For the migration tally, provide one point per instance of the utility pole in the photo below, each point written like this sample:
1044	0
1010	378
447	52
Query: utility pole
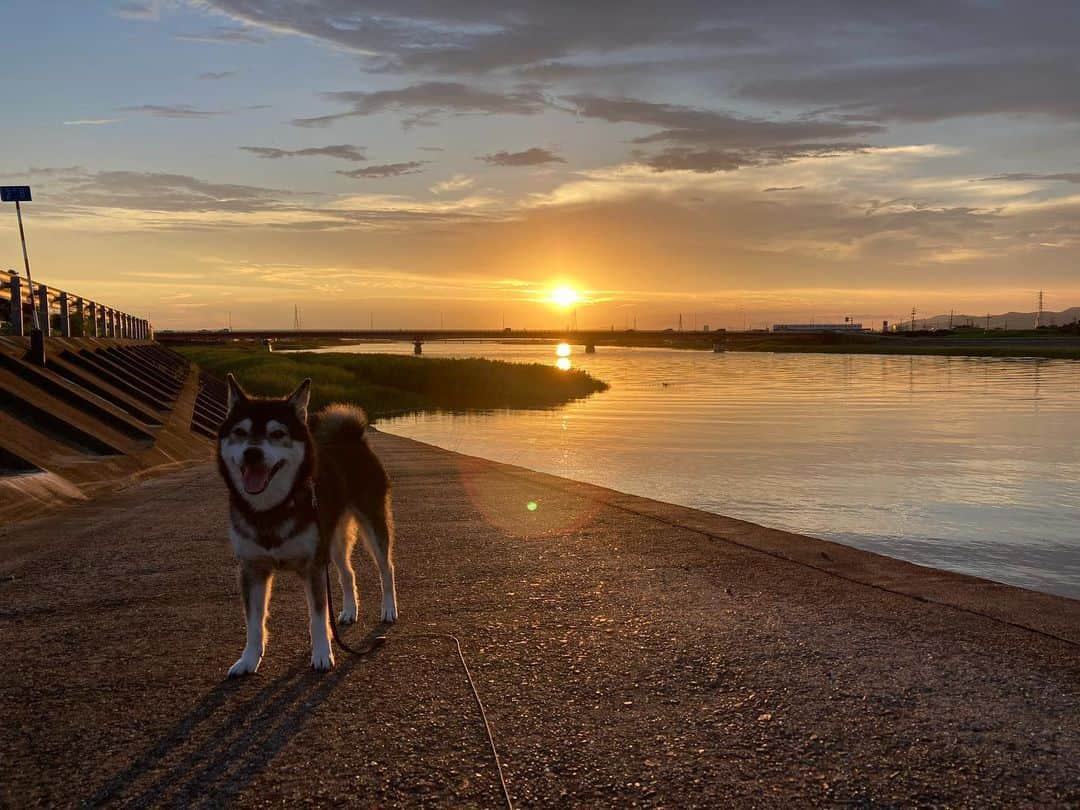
913	319
951	313
1039	311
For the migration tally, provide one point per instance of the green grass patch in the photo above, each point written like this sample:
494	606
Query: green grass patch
391	385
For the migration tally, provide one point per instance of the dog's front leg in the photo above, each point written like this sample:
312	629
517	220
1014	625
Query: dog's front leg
322	657
255	585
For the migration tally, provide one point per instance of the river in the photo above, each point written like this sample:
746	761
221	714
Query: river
966	464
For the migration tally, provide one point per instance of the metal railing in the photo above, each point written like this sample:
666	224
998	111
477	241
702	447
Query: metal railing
92	318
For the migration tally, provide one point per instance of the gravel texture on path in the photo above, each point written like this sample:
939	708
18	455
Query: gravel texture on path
628	653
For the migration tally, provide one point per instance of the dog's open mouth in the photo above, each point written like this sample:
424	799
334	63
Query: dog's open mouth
257	476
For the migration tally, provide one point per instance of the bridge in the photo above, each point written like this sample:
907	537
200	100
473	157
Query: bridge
418	337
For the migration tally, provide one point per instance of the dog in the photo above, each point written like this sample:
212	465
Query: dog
300	491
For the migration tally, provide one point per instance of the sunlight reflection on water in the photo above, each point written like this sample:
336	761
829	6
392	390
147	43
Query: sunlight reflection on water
969	464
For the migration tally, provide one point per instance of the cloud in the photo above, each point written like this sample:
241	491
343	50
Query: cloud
90	122
384	170
341	151
933	92
172	111
160	191
459	182
475	36
782	188
225	35
213	77
530	157
428	99
142	10
696	125
1067	177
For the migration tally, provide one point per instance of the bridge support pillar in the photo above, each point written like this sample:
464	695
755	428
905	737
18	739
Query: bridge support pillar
418	347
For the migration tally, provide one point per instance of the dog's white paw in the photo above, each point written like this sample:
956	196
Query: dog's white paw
347	615
322	660
245	666
389	610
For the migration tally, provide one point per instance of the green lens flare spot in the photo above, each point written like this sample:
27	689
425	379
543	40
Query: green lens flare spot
532	506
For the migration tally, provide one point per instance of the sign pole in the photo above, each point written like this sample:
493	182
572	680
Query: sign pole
26	263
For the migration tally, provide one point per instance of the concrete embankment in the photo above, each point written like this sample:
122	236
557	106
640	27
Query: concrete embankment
629	653
100	414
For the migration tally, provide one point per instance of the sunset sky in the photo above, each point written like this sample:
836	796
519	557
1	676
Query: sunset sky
400	161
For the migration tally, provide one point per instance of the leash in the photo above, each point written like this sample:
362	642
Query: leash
378	641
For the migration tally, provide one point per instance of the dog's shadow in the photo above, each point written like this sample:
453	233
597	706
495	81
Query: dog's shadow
212	765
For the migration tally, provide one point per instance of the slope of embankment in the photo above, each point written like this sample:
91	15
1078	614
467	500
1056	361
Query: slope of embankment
100	414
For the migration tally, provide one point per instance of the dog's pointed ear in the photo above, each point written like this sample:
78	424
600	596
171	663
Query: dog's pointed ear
300	398
236	393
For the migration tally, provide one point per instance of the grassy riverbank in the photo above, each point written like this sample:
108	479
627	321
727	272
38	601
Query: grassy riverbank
388	385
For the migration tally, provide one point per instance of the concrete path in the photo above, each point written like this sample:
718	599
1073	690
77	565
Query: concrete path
629	653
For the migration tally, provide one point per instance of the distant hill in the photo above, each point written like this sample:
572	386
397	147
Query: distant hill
1012	320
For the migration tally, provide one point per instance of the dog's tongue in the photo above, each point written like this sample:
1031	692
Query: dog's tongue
256	477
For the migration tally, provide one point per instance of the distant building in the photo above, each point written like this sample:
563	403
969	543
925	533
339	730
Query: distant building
818	327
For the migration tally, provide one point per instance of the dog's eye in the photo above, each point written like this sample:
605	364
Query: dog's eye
240	433
277	435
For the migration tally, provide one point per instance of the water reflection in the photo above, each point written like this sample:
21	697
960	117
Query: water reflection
971	464
563	363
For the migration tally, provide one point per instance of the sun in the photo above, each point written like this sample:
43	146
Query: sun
565	296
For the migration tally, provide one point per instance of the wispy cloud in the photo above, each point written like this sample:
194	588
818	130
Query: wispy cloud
428	99
529	157
384	170
90	122
142	10
341	151
1067	177
225	35
186	110
459	182
172	111
213	77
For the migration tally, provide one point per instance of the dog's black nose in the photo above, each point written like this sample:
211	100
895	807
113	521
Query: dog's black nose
253	456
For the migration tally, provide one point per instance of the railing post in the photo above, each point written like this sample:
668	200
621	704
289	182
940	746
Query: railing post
43	310
127	327
142	329
123	326
112	322
16	305
80	310
65	315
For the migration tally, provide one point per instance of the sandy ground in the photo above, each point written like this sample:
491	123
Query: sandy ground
629	653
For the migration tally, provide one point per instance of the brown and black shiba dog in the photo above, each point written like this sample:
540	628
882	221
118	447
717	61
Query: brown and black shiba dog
299	493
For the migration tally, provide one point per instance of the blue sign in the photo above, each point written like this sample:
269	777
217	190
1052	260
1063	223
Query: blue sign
14	193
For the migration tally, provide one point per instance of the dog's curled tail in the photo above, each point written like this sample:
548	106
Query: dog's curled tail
340	424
